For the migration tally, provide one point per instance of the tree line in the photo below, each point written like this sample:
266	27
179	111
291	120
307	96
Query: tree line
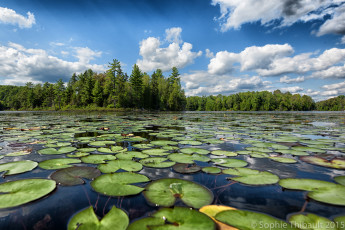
111	89
115	89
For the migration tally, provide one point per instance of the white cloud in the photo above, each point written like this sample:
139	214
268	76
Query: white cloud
9	16
56	44
342	40
209	54
173	34
334	25
332	72
293	89
19	65
250	58
85	54
289	80
337	86
235	13
154	56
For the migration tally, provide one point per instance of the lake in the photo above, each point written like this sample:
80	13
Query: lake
284	144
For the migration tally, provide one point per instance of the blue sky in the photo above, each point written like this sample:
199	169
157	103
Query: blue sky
219	46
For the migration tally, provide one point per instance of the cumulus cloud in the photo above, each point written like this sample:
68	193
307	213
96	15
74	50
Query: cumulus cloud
209	54
154	56
19	65
332	72
337	86
85	54
173	34
235	13
334	25
250	58
9	16
289	80
293	89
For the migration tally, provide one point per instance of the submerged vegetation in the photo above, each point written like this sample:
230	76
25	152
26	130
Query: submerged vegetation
115	89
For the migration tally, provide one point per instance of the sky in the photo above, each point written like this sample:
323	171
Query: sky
219	46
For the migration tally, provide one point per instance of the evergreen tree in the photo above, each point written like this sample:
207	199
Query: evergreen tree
136	81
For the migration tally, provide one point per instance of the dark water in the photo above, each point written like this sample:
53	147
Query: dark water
55	210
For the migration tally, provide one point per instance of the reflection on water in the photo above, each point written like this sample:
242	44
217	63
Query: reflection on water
236	129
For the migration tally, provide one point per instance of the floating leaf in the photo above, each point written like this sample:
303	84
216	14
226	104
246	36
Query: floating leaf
283	160
293	152
157	162
248	220
340	180
115	219
311	221
53	151
17	167
97	158
73	175
164	192
156	152
130	155
213	210
211	170
259	155
337	163
190	142
119	184
19	153
163	143
58	163
230	163
186	168
101	143
187	158
175	218
224	153
87	150
78	154
195	150
114	165
251	176
15	193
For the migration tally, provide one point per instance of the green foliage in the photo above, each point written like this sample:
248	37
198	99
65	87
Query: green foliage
333	104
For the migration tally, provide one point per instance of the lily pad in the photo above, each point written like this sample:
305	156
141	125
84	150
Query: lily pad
230	163
78	154
130	155
53	151
190	142
211	170
337	163
58	163
114	165
187	158
164	192
223	153
115	219
17	167
213	210
87	150
311	221
119	184
248	220
283	160
186	168
195	150
175	218
156	152
15	193
340	180
97	158
18	153
73	175
252	177
101	143
163	143
157	162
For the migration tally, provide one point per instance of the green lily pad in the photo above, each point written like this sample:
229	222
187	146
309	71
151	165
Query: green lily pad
223	153
143	146
340	222
58	144
259	155
97	158
119	184
337	163
15	193
19	153
175	218
157	162
58	163
230	163
311	221
190	142
73	175
101	143
53	151
211	170
308	149
78	154
257	149
251	176
163	143
335	196
17	167
114	165
340	180
248	220
195	150
130	155
305	184
164	192
187	158
87	150
283	160
115	219
186	168
293	152
156	152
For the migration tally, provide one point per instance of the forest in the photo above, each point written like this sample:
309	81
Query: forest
114	89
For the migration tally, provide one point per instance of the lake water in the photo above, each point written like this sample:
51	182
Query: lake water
229	131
